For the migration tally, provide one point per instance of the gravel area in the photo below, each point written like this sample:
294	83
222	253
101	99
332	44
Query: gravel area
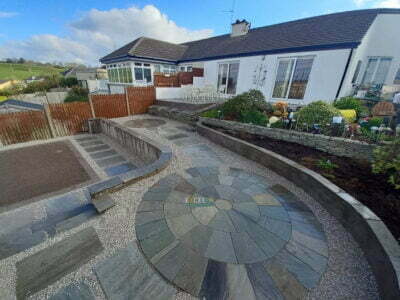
348	275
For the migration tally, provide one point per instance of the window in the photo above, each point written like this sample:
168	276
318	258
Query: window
120	73
168	69
157	68
376	71
138	73
142	72
397	77
356	72
292	77
227	77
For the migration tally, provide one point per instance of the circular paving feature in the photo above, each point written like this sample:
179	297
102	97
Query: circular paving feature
144	123
225	232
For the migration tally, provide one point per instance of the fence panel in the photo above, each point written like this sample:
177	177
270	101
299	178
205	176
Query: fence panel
69	118
109	106
22	127
161	80
140	98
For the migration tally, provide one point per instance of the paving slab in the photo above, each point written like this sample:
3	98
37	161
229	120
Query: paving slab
79	291
103	154
105	162
45	267
103	202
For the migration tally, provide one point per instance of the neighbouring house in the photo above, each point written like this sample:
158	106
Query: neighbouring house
300	61
93	79
34	79
5	84
13	105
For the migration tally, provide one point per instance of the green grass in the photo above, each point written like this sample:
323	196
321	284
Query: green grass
2	98
23	71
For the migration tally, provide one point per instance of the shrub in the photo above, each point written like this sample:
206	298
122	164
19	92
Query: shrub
254	117
349	103
318	112
68	82
373	122
77	94
212	113
387	161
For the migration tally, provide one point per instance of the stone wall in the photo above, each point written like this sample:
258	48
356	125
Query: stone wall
333	145
378	244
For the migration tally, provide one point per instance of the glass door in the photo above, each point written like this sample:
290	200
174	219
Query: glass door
227	77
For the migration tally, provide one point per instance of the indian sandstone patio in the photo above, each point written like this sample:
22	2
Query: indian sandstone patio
212	223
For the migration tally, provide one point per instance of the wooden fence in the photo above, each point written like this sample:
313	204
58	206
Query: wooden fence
65	119
176	80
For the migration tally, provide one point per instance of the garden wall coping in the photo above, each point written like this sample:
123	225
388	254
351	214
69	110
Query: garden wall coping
156	156
378	244
333	145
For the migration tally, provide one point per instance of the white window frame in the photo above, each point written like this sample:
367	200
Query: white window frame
295	58
142	66
227	74
379	58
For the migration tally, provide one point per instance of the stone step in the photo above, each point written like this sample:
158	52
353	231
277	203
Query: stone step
38	271
75	291
103	202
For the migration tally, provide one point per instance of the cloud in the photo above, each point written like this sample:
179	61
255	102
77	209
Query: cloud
98	32
7	14
388	4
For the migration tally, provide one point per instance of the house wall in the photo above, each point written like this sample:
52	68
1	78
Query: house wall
382	39
326	74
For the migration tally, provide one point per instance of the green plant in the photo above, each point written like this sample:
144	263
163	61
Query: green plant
373	122
212	113
318	112
278	124
326	164
77	94
349	103
387	161
254	117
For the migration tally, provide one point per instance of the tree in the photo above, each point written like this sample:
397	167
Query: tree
21	60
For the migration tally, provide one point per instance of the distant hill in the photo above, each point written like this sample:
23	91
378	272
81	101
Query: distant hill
23	71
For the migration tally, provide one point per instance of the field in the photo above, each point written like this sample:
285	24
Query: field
23	71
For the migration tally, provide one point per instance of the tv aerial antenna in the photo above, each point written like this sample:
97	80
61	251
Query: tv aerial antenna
232	10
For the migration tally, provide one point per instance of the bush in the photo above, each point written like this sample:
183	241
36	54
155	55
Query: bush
77	94
68	82
212	113
252	100
254	117
387	161
349	103
316	113
373	122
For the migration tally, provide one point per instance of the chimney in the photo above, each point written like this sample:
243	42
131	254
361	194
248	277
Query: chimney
240	28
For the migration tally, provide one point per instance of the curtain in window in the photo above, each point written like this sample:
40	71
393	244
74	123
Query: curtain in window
381	72
232	78
356	72
369	72
222	77
300	78
283	78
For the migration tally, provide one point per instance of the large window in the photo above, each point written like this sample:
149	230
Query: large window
356	72
227	77
376	70
142	72
120	73
292	77
397	77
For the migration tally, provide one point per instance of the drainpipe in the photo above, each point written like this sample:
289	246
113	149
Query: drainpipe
344	73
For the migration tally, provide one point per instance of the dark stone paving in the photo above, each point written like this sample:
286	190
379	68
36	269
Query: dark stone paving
74	291
127	275
45	267
144	123
105	157
231	236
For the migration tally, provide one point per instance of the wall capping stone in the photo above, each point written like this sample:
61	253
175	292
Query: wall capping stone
156	156
333	145
378	244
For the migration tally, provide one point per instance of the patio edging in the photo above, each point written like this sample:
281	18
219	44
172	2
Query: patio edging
378	244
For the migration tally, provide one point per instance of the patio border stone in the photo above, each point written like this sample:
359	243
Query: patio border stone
378	244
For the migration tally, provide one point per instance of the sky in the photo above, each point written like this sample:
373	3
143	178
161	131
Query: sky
82	31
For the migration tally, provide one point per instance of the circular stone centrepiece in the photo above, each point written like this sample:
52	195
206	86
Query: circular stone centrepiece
210	232
144	123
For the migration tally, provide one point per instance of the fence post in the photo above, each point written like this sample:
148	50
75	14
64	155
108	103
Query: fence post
49	120
91	106
127	101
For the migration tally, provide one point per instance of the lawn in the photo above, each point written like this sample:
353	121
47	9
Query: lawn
2	98
23	71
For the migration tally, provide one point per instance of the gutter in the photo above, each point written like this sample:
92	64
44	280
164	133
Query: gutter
344	73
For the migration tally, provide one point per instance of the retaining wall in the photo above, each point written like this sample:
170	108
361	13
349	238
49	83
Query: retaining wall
380	247
333	145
